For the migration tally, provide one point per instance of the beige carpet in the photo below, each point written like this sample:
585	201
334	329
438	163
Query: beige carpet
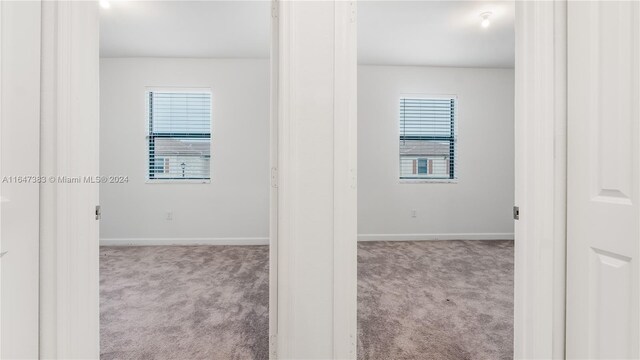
416	300
444	300
184	302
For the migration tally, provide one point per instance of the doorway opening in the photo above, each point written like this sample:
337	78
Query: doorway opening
184	151
436	179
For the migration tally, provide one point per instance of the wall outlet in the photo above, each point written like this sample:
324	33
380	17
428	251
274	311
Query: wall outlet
169	215
414	213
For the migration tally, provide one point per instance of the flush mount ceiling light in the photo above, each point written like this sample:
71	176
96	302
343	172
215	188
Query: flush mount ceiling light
485	19
105	4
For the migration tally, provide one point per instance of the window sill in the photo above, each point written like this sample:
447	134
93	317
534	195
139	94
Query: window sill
186	181
428	181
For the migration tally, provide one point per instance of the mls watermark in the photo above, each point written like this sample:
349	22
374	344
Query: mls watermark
111	179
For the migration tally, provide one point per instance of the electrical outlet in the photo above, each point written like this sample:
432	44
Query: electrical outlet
169	215
414	213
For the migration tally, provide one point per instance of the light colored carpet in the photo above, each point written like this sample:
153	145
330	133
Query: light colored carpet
184	302
444	300
416	300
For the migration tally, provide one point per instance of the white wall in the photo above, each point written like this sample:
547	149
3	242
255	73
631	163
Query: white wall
480	204
234	206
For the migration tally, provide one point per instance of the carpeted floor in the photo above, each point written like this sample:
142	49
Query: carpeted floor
416	300
184	302
435	300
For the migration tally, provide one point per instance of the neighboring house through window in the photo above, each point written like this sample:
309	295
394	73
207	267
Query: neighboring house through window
428	138
179	135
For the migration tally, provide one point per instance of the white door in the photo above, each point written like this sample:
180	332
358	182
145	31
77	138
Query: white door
19	161
603	184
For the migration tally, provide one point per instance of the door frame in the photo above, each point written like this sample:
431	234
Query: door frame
69	122
273	183
540	150
541	179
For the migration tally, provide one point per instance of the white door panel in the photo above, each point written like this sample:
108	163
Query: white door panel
19	158
603	184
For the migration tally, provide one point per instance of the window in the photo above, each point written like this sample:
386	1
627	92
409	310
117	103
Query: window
179	135
422	166
428	138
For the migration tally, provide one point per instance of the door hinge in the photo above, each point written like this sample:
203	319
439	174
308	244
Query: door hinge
516	213
352	11
274	177
98	212
274	9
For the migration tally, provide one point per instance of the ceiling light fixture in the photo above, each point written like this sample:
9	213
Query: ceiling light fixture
105	4
485	19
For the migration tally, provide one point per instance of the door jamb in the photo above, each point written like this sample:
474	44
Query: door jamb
540	167
69	121
273	186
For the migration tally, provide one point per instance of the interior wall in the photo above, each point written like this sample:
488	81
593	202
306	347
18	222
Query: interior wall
234	207
479	205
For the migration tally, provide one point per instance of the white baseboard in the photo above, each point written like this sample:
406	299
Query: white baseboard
265	241
184	241
431	237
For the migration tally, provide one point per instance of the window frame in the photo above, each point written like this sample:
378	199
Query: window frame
147	136
455	153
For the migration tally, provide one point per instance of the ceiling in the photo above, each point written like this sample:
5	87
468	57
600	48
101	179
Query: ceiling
195	29
435	33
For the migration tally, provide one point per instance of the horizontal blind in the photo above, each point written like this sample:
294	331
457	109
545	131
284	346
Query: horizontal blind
428	138
179	135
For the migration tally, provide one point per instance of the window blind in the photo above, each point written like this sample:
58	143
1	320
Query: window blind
428	138
179	136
